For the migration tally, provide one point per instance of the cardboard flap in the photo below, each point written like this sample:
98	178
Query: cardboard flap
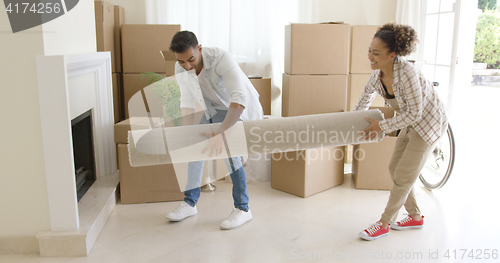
168	55
336	22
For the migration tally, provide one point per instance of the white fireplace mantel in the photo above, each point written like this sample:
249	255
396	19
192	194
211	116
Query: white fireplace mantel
58	101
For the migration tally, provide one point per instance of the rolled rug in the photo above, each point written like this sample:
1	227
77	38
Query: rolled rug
184	143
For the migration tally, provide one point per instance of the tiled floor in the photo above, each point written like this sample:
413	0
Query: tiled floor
324	227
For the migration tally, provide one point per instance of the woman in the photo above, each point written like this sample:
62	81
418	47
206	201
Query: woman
421	118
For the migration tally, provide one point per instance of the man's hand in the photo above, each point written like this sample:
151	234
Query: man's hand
372	131
216	143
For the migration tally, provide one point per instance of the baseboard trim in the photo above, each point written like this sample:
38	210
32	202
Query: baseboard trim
19	245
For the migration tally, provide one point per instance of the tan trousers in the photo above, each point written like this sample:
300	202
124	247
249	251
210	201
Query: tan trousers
409	157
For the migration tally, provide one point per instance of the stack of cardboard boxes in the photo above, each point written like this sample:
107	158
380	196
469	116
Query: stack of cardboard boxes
155	183
136	49
369	161
141	52
360	71
142	47
143	184
108	20
315	81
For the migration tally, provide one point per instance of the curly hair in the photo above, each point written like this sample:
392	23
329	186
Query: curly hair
400	39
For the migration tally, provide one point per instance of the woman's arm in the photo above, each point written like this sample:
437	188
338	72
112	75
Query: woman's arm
369	93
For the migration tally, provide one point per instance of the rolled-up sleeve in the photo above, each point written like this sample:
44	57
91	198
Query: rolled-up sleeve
234	79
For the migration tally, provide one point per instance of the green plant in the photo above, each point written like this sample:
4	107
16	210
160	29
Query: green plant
487	4
170	96
487	46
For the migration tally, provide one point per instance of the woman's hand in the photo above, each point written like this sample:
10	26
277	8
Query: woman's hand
372	131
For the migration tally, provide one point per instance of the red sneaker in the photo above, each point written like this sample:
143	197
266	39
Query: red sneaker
373	232
408	223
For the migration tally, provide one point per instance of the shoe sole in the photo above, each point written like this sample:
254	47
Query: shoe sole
395	227
229	228
369	238
180	219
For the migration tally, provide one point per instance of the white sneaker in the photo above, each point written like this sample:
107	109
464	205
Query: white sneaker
235	219
184	210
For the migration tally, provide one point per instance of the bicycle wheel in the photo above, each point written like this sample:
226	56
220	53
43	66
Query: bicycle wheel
438	168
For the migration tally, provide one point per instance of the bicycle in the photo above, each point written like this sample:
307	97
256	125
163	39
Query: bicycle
438	168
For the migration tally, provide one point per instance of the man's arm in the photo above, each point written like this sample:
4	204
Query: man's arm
232	116
216	143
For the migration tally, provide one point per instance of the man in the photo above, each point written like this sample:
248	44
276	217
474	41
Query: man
212	78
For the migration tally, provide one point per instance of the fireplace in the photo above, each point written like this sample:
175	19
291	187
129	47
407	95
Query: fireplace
75	91
83	153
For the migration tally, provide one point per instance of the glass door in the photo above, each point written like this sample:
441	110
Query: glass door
438	45
448	44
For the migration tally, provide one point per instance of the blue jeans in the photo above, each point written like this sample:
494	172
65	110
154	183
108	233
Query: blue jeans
234	166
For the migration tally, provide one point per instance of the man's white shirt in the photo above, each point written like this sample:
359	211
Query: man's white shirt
225	84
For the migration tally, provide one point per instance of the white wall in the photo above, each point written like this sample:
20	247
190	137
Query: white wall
357	12
135	10
354	12
72	33
23	191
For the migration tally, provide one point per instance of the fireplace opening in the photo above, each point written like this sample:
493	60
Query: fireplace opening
83	152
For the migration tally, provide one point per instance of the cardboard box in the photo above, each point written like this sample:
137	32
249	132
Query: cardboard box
304	173
170	60
357	84
317	48
263	87
387	112
117	101
313	94
133	86
119	21
360	42
370	164
156	183
140	123
105	28
141	46
135	123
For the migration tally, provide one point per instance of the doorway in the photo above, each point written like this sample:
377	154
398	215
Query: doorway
447	45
